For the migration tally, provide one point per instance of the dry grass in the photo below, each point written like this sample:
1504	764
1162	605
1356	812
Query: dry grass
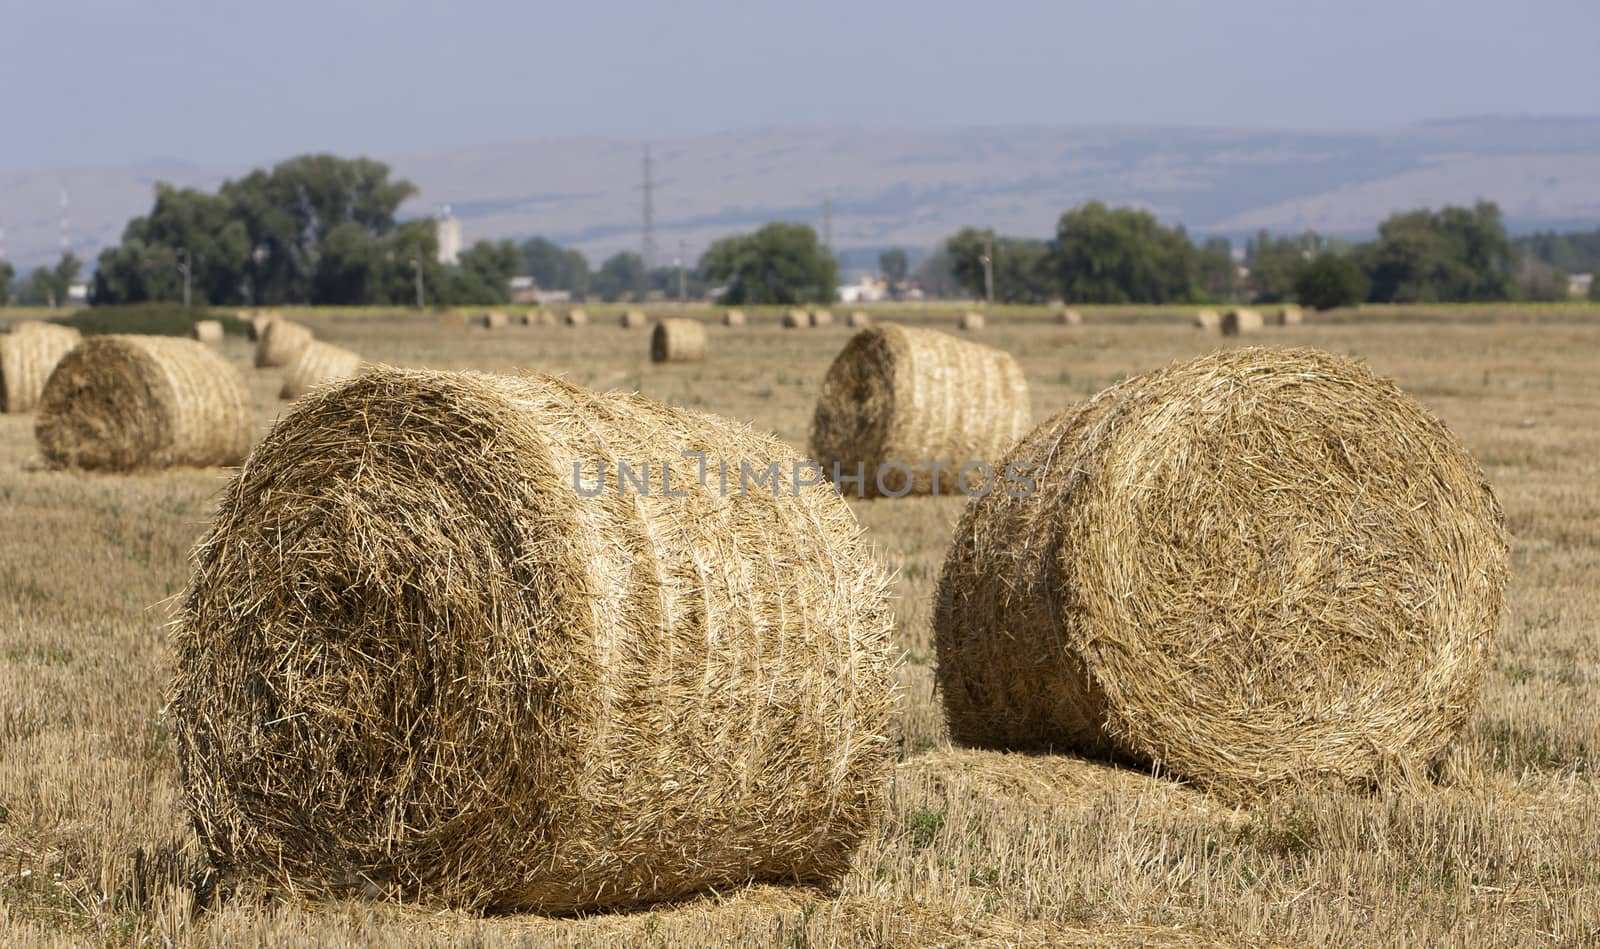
1259	566
978	848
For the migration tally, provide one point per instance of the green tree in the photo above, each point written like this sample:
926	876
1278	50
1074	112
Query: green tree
1454	254
49	286
935	276
894	265
782	263
483	273
1539	282
7	274
1217	271
619	277
1275	264
412	246
1023	270
1123	255
1331	280
554	267
1594	288
136	272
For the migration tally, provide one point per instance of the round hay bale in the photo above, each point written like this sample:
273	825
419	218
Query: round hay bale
208	332
1239	321
971	322
491	320
821	318
858	320
28	354
281	341
733	318
1066	317
454	320
418	658
1288	315
1256	567
577	316
796	319
121	403
899	401
1209	321
678	340
536	318
319	363
256	324
632	319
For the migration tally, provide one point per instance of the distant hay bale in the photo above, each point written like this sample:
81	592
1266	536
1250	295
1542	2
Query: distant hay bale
632	319
1066	317
256	324
577	316
1209	321
208	331
821	318
858	320
678	340
454	320
971	322
1239	321
281	341
319	363
536	318
28	354
899	400
1288	315
419	659
122	403
796	319
1256	567
733	318
491	320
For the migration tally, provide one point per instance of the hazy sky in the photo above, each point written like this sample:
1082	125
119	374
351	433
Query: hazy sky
88	82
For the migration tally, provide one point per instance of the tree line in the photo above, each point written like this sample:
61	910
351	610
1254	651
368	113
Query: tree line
324	230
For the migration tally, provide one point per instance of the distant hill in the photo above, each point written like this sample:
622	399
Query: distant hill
911	188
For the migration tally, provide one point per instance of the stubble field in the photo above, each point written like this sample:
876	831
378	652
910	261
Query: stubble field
1502	847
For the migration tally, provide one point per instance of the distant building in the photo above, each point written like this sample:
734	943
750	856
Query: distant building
866	290
447	228
79	293
1578	285
524	290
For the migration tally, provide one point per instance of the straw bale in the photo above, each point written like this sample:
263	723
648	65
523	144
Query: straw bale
971	322
1253	568
632	319
1288	315
256	324
417	661
821	318
208	331
27	355
1239	321
796	319
1209	321
281	341
121	403
678	340
858	320
577	316
733	318
1067	317
491	320
916	397
318	364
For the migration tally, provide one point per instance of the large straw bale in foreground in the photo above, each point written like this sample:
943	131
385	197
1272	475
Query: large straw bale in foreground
318	364
1256	567
416	661
1239	321
27	355
678	340
281	341
121	403
911	396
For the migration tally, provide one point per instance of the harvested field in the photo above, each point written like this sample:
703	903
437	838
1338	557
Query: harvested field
1499	845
